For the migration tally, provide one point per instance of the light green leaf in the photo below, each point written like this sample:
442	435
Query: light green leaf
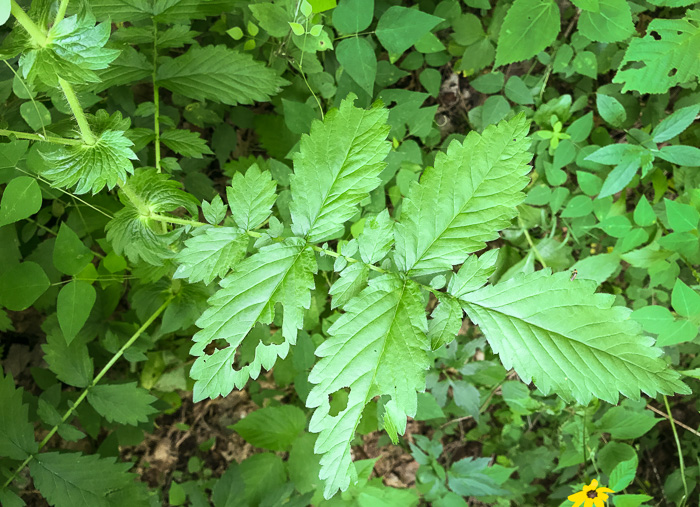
16	432
681	155
681	217
568	339
578	206
529	27
272	428
356	55
337	166
675	124
215	211
445	322
517	91
623	423
166	12
280	273
21	199
473	274
35	114
685	300
659	60
644	214
621	175
597	267
442	222
211	252
351	282
377	238
73	306
76	480
272	18
353	16
611	22
251	197
70	255
610	109
21	285
219	74
185	142
122	403
377	347
72	363
623	474
4	11
399	28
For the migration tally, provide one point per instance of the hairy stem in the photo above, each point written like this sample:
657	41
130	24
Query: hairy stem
61	12
97	378
37	34
140	204
39	137
85	132
156	95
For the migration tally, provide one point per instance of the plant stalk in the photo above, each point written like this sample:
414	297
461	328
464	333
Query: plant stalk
37	34
39	137
156	96
80	117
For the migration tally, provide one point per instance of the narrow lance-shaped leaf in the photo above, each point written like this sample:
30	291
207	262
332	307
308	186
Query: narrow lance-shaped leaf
464	200
568	339
337	166
281	273
378	347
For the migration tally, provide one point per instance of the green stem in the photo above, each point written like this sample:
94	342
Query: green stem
532	245
61	12
174	220
97	378
140	204
678	446
37	34
85	132
156	95
39	137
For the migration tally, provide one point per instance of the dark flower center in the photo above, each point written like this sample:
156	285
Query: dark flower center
592	494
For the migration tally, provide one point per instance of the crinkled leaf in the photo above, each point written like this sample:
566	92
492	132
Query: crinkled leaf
251	197
165	12
16	432
280	273
122	403
377	347
219	74
210	253
442	222
129	68
338	164
568	339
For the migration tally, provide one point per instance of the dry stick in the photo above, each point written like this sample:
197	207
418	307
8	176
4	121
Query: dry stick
684	426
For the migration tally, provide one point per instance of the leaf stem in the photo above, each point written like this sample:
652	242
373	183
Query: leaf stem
678	446
37	34
174	220
61	12
156	95
532	245
39	137
94	382
85	132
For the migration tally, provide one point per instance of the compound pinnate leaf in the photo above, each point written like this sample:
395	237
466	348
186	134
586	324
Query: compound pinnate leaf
529	27
210	253
399	28
663	57
21	285
337	166
568	339
281	273
219	74
251	197
21	199
77	480
122	403
442	222
273	428
16	432
377	347
73	306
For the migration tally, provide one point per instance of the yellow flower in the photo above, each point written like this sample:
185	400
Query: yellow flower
590	496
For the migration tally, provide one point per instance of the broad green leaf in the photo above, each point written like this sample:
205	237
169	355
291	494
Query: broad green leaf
251	197
473	274
219	74
353	16
16	432
74	50
653	318
675	124
517	91
623	423
35	114
272	18
644	214
529	27
621	175
445	322
685	300
211	253
568	339
280	273
92	167
679	331
659	60
590	184
20	200
623	475
73	306
377	347
578	206
681	217
215	211
185	142
680	155
72	363
166	12
356	55
351	282
21	285
76	480
611	22
272	428
399	28
338	164
597	267
122	403
442	222
471	477
612	153
377	238
633	500
610	109
129	68
70	255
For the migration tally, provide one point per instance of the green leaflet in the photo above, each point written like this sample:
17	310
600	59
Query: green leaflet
73	306
377	347
611	22
210	253
280	273
16	432
442	222
663	63
123	403
185	143
75	49
529	27
219	74
21	199
274	428
338	164
566	338
251	197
